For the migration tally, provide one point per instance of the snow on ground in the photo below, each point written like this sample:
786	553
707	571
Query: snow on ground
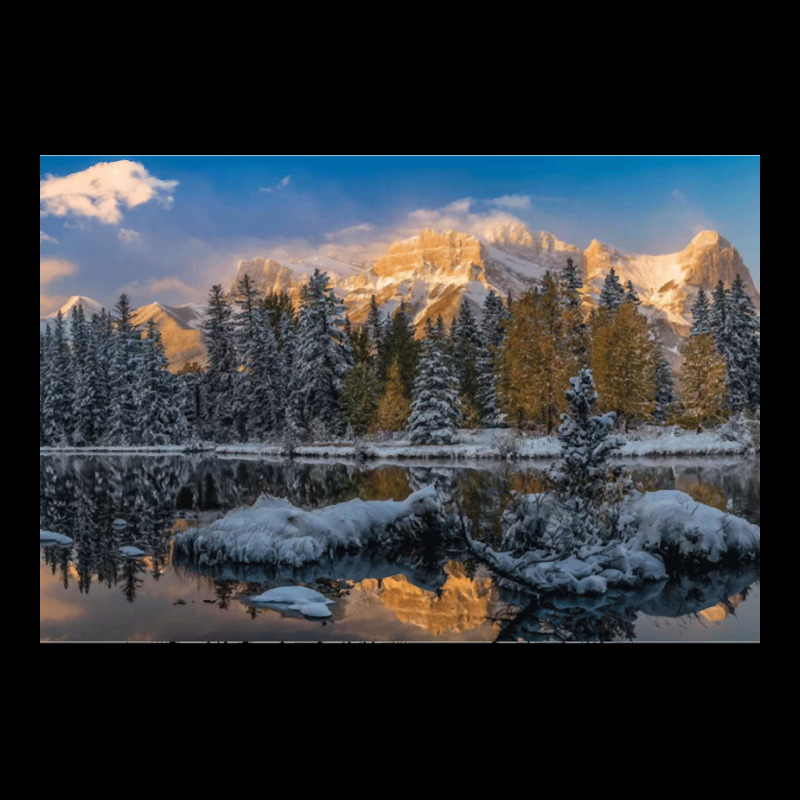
655	523
49	537
273	531
308	602
650	440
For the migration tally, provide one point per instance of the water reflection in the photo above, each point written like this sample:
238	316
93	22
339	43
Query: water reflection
428	592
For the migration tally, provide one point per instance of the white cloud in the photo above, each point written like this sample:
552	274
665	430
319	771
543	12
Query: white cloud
518	201
100	191
43	237
51	269
128	236
281	184
459	206
345	234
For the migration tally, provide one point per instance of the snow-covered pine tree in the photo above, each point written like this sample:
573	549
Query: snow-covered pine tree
495	319
575	329
665	390
124	372
59	392
612	295
376	331
102	333
223	403
743	350
42	387
466	348
84	376
630	294
435	409
263	364
572	283
160	414
719	318
323	353
583	478
289	418
701	313
360	397
486	399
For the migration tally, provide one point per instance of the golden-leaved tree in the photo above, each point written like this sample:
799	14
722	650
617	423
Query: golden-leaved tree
393	407
703	381
624	359
537	358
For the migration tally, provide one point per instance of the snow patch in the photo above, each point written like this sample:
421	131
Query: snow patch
50	537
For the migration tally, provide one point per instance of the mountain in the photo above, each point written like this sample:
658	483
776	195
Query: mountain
180	331
90	307
434	270
179	326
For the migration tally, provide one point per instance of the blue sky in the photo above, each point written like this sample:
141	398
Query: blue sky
168	227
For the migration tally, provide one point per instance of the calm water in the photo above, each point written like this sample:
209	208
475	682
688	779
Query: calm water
90	592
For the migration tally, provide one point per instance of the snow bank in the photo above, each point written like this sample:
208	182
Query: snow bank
656	525
49	537
308	602
273	531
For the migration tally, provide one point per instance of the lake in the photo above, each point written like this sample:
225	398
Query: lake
90	592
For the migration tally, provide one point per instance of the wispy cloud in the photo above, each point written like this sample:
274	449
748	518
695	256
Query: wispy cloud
678	194
518	201
51	269
43	237
128	235
171	289
101	191
281	184
344	234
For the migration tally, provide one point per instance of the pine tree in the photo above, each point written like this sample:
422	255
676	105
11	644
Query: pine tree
124	373
393	407
278	306
743	349
577	344
665	391
486	398
160	412
223	403
719	318
630	294
495	320
289	388
582	481
466	348
400	345
701	313
435	410
703	381
360	397
102	333
624	359
59	395
264	378
84	368
612	295
572	282
42	387
323	352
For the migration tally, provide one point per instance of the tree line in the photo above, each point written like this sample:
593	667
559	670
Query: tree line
276	373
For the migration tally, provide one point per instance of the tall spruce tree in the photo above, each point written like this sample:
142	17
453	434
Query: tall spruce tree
223	401
400	345
84	369
701	313
630	294
612	295
719	318
323	353
466	349
59	393
665	391
124	374
743	349
435	409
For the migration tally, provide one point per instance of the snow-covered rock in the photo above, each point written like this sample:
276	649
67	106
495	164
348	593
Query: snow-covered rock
129	551
49	537
273	531
656	525
308	602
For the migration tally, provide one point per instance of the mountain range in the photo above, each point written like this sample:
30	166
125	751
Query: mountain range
434	270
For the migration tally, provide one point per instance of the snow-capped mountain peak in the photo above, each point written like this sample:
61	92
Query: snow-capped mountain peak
90	306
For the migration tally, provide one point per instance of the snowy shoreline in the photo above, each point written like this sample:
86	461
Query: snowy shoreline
483	445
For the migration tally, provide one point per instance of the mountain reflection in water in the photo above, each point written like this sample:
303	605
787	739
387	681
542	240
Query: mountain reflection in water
90	591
